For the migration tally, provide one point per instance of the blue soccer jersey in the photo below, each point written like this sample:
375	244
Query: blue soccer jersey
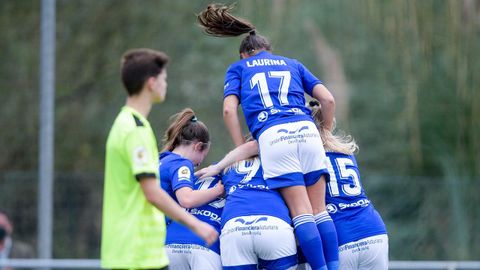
248	194
352	212
270	89
177	172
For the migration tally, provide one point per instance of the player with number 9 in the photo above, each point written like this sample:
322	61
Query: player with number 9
270	89
256	230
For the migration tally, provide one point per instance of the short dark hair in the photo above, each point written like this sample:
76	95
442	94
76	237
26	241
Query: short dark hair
138	65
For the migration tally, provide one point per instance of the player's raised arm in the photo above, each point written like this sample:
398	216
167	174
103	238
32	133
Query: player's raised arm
327	104
230	117
242	152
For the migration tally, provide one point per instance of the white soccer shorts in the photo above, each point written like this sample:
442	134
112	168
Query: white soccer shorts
258	240
367	253
292	154
192	257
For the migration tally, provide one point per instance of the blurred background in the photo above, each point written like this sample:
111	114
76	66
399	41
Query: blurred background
405	75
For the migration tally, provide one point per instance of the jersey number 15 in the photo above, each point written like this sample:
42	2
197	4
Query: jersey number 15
349	175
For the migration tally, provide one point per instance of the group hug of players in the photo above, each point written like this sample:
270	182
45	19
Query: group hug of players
289	196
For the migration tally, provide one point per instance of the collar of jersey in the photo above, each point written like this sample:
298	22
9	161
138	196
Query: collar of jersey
137	114
169	153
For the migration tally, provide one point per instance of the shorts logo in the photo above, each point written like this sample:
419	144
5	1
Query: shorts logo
184	174
244	222
283	130
140	156
331	208
294	136
263	116
361	245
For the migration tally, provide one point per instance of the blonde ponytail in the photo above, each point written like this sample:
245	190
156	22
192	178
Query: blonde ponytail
339	143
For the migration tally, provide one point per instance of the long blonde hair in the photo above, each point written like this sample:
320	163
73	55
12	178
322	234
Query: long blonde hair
339	143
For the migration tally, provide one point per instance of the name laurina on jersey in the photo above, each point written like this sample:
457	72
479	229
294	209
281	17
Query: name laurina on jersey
266	62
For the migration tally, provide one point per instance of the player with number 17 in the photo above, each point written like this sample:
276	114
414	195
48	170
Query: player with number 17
270	88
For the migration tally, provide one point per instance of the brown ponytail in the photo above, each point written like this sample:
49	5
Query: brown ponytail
219	22
185	129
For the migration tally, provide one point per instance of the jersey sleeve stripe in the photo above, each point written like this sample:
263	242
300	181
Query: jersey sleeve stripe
141	176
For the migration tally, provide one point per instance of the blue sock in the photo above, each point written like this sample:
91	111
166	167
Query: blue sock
310	241
328	233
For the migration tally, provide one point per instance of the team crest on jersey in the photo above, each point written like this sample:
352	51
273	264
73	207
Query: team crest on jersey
184	173
140	156
263	116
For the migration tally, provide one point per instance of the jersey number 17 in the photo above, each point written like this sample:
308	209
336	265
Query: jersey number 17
260	80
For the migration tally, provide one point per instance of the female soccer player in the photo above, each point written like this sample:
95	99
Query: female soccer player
271	90
186	143
256	231
362	235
